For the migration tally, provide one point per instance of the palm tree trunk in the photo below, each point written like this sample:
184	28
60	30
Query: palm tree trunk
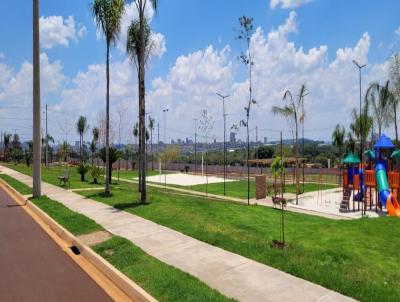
37	175
142	109
395	125
107	189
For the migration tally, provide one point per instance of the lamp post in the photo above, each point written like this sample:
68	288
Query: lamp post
37	173
223	97
360	67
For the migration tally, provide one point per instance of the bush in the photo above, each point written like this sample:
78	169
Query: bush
96	172
82	170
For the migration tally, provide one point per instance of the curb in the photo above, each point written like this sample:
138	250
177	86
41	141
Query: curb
126	285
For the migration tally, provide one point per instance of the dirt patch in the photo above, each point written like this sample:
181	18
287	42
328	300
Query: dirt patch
95	238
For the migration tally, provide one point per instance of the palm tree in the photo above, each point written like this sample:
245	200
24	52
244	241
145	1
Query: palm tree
361	126
379	97
81	127
395	78
136	134
338	137
151	127
350	143
295	115
108	15
138	46
45	143
93	144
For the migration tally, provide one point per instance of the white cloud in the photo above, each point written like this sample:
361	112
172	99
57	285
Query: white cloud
2	56
287	4
55	31
397	32
16	93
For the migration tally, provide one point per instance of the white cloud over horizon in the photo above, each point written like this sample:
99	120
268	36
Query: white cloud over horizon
193	80
57	31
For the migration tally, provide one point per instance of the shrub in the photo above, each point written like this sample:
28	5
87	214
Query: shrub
82	170
96	172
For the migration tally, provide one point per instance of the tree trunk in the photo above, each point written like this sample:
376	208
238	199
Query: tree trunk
142	109
152	154
395	126
297	166
108	180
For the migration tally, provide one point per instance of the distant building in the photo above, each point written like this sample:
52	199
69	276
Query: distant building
232	137
265	140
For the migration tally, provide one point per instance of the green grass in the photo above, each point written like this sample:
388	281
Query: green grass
76	223
161	280
238	189
358	258
17	185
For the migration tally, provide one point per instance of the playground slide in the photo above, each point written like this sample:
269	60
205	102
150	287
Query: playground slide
386	198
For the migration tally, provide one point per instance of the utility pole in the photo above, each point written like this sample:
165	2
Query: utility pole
47	143
37	173
195	145
256	134
158	133
223	97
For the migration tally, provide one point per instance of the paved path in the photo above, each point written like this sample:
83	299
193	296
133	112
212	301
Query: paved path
233	275
33	267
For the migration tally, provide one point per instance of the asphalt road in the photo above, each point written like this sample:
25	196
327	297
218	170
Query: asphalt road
33	267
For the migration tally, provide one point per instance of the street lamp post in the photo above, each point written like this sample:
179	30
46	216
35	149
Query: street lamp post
37	173
360	67
223	97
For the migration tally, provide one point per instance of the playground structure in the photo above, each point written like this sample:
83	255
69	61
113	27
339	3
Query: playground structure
375	183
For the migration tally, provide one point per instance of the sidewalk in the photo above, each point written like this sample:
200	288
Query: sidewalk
233	275
34	267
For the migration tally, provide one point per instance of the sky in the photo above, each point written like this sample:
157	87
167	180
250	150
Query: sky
194	56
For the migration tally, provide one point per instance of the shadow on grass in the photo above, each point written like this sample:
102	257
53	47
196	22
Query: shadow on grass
131	205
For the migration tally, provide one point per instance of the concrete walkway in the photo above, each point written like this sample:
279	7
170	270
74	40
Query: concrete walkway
233	275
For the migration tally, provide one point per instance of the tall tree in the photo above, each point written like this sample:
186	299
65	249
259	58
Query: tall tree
151	127
338	137
138	45
294	113
245	32
379	98
108	15
395	80
136	135
81	127
7	140
361	126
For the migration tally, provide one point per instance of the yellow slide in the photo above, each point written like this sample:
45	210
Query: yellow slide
393	207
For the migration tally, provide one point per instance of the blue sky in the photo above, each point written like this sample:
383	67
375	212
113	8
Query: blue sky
190	28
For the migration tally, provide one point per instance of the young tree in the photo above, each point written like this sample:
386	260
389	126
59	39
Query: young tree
338	137
379	97
138	47
206	126
295	116
151	127
361	126
245	32
93	144
81	127
108	15
6	140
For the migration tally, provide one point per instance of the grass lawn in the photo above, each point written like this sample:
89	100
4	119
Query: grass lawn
76	223
238	188
357	258
17	185
161	280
